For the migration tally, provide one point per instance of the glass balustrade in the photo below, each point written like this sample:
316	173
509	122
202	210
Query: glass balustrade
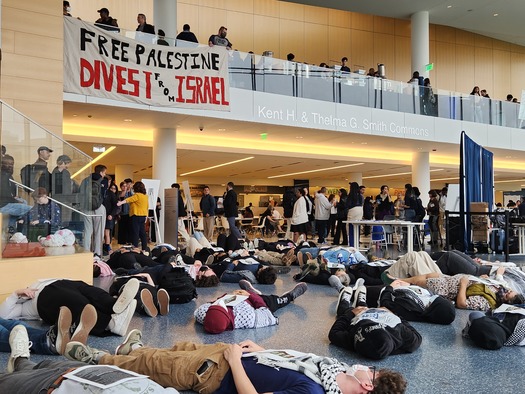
271	75
40	190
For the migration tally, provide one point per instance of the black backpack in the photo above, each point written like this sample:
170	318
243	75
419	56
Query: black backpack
91	191
178	283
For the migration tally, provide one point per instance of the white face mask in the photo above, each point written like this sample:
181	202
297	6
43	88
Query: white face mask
356	367
68	9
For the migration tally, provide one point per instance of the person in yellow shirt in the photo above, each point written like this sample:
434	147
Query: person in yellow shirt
138	211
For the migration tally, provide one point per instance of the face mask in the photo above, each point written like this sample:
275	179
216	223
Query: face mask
223	34
356	367
68	9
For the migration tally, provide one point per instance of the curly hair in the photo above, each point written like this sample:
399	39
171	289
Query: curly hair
207	281
266	276
389	382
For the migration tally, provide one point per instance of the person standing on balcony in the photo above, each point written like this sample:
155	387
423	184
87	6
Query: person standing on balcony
344	67
220	39
143	26
105	21
187	35
37	175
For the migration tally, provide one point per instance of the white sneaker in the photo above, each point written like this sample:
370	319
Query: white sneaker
128	293
20	344
120	321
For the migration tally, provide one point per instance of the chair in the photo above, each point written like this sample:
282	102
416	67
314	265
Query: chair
200	224
247	224
410	215
392	234
378	236
260	227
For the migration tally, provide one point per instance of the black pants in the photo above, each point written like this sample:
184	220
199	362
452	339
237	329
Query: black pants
138	231
456	262
274	302
321	226
340	228
75	295
230	242
124	227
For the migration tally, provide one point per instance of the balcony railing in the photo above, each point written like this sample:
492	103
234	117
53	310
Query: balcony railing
272	75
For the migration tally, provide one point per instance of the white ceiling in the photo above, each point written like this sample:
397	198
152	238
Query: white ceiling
476	16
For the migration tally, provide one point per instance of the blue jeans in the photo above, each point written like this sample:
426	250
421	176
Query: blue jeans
36	335
233	228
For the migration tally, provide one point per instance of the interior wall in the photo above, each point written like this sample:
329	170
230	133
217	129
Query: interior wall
31	77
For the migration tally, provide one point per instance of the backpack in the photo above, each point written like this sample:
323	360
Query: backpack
91	190
178	283
36	176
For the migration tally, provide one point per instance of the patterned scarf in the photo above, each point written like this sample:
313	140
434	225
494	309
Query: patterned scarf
322	370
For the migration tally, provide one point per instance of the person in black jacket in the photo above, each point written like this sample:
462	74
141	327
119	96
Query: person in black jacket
187	35
230	209
110	203
288	202
342	213
143	26
414	303
373	333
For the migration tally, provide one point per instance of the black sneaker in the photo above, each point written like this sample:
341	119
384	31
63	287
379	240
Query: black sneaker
297	291
345	300
246	285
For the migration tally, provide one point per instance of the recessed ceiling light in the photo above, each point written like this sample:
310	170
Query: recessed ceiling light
128	120
222	129
449	6
364	143
495	14
75	115
299	137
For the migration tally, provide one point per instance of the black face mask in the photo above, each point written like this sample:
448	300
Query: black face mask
223	34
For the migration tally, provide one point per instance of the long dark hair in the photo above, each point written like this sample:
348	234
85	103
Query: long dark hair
354	193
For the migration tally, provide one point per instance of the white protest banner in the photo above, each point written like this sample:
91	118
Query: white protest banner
106	64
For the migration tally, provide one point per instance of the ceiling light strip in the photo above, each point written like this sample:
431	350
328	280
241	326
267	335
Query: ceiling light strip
399	173
111	148
319	170
217	166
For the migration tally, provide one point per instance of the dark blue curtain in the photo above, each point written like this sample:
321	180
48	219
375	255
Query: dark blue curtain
476	181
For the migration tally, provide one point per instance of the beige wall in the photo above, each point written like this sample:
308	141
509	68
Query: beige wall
31	76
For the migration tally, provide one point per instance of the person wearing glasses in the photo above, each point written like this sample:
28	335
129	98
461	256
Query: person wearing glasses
374	333
244	367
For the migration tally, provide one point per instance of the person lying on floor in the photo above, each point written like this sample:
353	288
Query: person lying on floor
129	258
43	299
334	254
373	333
233	270
245	367
497	328
25	376
254	312
414	303
320	274
468	292
54	340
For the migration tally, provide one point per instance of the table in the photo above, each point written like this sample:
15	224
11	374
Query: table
401	223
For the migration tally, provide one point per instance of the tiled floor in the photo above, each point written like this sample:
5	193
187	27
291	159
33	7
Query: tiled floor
446	363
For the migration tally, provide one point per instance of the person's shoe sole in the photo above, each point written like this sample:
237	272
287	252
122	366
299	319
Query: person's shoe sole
210	259
246	285
88	319
282	270
128	293
147	303
63	325
164	302
346	290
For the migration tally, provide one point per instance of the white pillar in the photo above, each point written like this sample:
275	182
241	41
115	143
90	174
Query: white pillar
421	174
420	42
123	171
356	177
164	163
165	16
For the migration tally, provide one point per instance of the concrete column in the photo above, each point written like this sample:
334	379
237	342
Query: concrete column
421	174
164	163
356	177
123	171
420	42
165	17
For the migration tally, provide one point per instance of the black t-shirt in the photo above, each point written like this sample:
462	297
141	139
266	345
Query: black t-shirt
218	40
